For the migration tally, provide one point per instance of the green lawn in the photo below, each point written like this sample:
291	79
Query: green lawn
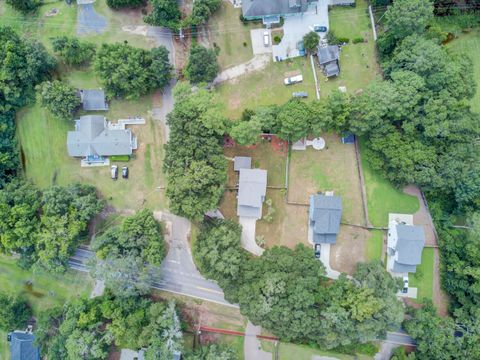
383	198
231	35
374	245
424	282
287	351
47	289
4	348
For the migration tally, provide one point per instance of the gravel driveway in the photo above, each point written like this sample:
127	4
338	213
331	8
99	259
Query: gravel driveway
88	21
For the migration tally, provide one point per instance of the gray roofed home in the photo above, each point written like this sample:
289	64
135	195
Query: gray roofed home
22	346
328	58
325	214
259	9
408	248
251	192
93	137
242	162
93	100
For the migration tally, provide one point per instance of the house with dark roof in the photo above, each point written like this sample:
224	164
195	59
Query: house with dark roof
93	100
22	346
269	10
325	213
328	59
95	137
405	245
252	189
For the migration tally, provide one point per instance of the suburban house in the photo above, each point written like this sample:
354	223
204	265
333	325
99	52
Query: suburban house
94	137
22	346
270	11
252	189
328	57
93	100
404	246
324	214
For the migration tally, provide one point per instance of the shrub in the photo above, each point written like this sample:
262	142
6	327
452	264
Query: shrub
59	98
358	40
117	4
277	39
343	40
24	6
123	158
72	51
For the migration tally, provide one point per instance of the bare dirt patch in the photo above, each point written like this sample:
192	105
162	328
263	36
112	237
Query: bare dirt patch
349	249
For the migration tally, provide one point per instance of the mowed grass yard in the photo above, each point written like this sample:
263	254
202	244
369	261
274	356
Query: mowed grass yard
230	35
423	278
332	169
43	143
382	197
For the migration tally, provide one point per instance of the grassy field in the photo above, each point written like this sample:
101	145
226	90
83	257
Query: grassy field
266	87
424	282
229	34
383	198
374	245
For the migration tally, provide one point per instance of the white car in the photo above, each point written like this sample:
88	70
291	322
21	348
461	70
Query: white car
266	38
114	172
293	80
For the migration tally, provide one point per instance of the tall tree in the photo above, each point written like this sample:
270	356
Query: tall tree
14	313
294	120
73	51
164	13
202	65
59	98
9	156
202	9
246	132
24	6
310	41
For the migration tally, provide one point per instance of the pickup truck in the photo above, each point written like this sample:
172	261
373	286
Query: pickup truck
293	80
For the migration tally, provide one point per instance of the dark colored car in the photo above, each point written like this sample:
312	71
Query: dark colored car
125	172
317	251
319	28
405	284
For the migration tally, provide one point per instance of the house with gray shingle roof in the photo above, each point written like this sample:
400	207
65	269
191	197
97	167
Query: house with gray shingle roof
328	58
93	137
324	214
22	346
93	100
405	246
252	189
261	9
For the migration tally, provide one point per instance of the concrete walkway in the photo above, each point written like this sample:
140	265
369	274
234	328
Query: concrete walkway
248	235
257	63
251	346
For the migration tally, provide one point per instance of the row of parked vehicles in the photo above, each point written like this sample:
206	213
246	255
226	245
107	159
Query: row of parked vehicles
114	172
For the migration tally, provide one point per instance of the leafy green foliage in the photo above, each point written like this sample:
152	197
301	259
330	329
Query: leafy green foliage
294	119
73	51
202	65
310	41
130	72
202	9
23	64
194	162
24	6
164	13
59	98
212	352
14	313
246	132
9	156
119	4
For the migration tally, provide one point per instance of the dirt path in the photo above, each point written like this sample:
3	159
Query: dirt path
423	217
257	63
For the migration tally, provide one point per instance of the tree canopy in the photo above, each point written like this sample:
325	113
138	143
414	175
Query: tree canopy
14	313
24	6
202	9
130	72
9	156
310	41
202	65
118	4
59	98
164	13
73	51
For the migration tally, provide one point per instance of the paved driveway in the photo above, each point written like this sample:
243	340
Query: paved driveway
248	235
251	346
88	21
258	46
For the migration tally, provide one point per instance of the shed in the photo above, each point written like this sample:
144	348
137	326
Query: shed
22	346
328	59
242	162
93	100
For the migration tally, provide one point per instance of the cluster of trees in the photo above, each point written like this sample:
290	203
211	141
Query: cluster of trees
24	6
286	291
23	64
194	163
73	51
202	65
127	253
59	98
293	120
130	72
119	4
167	13
44	227
14	312
86	329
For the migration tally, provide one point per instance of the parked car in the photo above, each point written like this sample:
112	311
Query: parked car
266	38
300	94
114	172
317	251
293	80
405	284
319	28
125	172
